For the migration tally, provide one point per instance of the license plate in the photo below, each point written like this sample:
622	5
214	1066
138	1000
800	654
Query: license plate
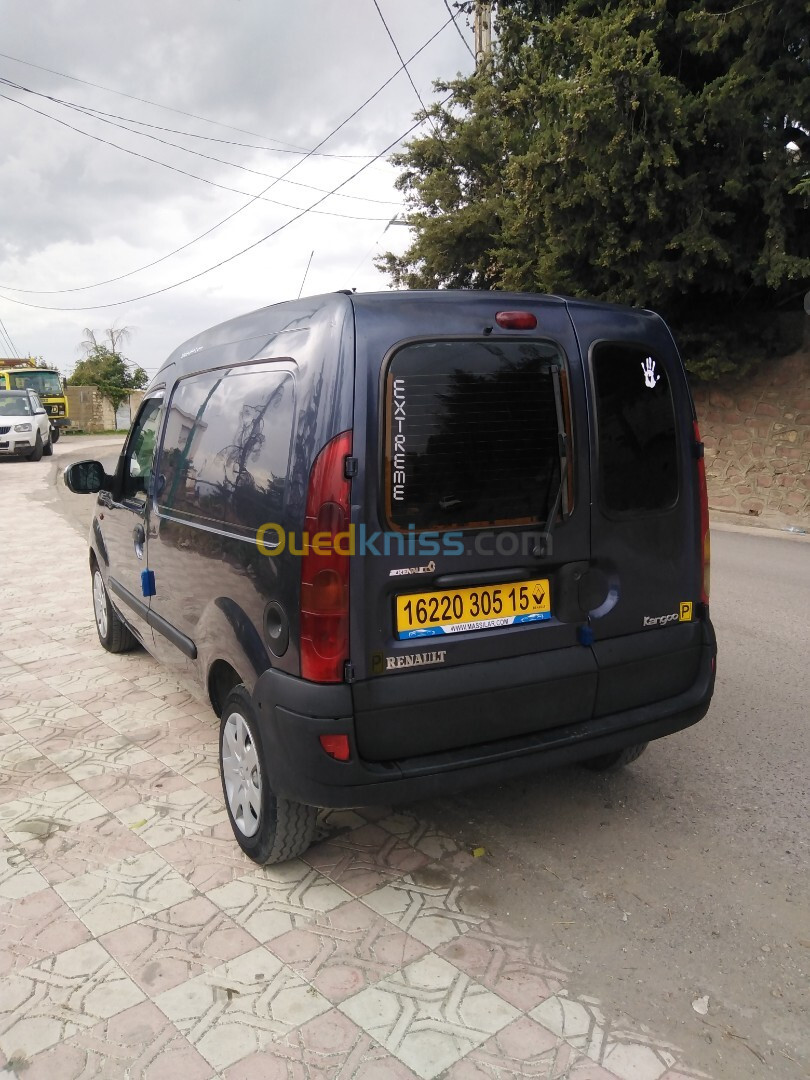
454	611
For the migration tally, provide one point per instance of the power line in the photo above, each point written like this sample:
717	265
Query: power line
158	105
182	172
253	199
458	28
7	338
224	142
405	67
236	254
96	114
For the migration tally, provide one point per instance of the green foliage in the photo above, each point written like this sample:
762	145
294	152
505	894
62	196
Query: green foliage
105	367
655	154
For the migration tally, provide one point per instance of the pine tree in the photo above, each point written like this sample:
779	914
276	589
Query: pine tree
656	154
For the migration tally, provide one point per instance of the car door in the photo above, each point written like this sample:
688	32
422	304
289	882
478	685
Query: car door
645	516
122	521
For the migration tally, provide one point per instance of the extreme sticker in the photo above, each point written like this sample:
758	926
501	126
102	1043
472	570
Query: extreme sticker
398	477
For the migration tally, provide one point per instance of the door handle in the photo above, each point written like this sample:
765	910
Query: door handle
138	537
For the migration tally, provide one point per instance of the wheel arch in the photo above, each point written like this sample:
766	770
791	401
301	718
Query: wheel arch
221	679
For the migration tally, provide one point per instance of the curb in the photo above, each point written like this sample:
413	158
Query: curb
722	523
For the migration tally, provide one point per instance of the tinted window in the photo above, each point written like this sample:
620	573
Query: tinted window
472	433
141	449
638	464
226	447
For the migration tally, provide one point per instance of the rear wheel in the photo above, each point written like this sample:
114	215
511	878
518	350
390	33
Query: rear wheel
267	827
113	634
616	760
36	454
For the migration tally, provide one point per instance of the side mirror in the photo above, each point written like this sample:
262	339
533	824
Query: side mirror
86	477
42	412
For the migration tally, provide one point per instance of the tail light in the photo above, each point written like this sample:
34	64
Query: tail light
705	541
325	577
516	320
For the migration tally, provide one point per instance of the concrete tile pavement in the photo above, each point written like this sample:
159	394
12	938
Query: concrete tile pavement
136	939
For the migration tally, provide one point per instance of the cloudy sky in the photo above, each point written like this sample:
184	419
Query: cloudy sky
254	83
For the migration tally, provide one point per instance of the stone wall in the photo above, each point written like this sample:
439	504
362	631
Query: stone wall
757	438
91	411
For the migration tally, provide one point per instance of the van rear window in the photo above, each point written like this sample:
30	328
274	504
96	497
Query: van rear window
638	460
472	434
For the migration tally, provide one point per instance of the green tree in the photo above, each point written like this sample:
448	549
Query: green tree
106	367
652	153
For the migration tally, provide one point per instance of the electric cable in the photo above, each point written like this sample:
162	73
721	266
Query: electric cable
102	118
213	138
250	202
236	254
7	338
156	104
407	72
458	28
185	172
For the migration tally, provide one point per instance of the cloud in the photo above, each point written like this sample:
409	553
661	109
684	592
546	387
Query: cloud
76	211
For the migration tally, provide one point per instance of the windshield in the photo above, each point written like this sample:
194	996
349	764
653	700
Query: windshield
46	383
14	405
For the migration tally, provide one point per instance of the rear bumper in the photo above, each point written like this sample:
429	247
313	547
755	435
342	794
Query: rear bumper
293	714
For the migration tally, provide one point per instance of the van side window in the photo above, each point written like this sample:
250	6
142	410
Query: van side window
472	434
638	460
141	450
226	448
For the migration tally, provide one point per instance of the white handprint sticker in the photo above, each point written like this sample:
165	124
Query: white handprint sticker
650	377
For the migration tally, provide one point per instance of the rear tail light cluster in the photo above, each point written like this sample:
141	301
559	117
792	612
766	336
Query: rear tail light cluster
705	541
325	577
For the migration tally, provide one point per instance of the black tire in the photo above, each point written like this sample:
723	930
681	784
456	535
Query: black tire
114	635
55	433
47	449
617	759
281	829
36	454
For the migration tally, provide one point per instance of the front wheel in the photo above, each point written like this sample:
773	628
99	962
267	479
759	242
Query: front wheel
47	449
36	453
55	433
113	634
267	827
616	760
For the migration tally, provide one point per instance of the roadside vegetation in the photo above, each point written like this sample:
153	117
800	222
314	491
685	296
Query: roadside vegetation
105	366
655	154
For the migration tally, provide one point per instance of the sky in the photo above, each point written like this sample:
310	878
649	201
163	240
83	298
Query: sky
256	78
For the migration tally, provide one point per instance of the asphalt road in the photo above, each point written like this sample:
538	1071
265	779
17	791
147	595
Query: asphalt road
685	876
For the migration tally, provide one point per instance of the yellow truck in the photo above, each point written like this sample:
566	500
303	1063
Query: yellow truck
29	374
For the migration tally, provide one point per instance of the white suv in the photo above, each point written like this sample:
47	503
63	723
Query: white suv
24	426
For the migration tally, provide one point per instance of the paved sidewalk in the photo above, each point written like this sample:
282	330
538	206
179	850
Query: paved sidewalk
137	941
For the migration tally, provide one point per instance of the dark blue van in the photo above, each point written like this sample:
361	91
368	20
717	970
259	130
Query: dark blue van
413	541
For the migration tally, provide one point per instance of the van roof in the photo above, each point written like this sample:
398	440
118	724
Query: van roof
288	315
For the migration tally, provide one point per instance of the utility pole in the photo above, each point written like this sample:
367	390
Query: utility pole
483	32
